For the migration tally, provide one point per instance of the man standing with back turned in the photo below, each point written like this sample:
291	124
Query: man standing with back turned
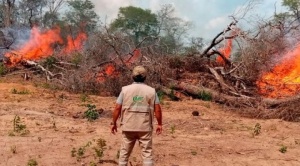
136	106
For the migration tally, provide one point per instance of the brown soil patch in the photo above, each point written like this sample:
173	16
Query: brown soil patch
217	137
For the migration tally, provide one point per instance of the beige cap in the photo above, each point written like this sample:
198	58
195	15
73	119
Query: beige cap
139	70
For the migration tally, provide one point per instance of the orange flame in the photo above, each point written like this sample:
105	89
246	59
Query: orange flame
284	79
136	55
74	44
40	45
110	70
226	51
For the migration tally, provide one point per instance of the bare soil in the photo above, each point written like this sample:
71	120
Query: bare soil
217	137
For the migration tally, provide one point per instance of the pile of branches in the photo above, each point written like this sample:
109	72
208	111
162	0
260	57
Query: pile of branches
106	65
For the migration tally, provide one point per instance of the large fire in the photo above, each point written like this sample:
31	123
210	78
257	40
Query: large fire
284	79
41	45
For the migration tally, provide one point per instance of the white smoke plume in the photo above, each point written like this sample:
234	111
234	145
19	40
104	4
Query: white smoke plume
14	37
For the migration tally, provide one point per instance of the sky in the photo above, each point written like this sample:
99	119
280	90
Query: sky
209	17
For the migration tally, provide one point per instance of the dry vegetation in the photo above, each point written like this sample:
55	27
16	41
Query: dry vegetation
44	125
105	66
218	110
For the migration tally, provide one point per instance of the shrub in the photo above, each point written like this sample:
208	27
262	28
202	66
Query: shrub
91	113
283	149
3	69
32	162
206	96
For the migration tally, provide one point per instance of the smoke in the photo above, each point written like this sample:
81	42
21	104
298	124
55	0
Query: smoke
108	9
14	38
18	36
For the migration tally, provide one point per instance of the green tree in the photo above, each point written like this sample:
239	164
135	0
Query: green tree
51	17
30	12
293	6
82	15
136	23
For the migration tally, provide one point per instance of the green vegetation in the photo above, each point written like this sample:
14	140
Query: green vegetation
73	152
20	92
193	152
160	95
18	127
50	61
32	162
146	24
283	149
206	96
84	97
91	113
3	69
93	164
98	149
256	129
79	153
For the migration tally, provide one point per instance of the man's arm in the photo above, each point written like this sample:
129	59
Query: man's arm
158	115
116	115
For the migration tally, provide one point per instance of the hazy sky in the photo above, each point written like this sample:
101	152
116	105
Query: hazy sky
209	17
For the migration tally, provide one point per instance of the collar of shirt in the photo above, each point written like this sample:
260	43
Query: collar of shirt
138	83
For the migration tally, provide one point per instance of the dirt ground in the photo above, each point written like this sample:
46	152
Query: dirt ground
54	127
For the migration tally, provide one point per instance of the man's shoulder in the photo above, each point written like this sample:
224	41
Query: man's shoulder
133	85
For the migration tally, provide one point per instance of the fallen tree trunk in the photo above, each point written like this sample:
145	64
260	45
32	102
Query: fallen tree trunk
276	102
199	92
173	94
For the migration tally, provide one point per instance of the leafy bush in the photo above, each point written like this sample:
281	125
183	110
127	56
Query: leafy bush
99	149
91	113
50	61
283	149
3	69
32	162
206	96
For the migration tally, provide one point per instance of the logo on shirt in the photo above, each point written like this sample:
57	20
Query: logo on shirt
137	99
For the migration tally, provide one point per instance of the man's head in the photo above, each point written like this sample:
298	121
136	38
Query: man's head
139	74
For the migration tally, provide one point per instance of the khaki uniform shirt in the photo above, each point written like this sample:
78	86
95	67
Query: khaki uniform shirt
138	101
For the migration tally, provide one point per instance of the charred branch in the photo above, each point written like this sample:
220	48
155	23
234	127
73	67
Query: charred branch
217	39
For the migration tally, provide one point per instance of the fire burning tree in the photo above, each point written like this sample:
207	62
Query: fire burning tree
284	79
102	63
